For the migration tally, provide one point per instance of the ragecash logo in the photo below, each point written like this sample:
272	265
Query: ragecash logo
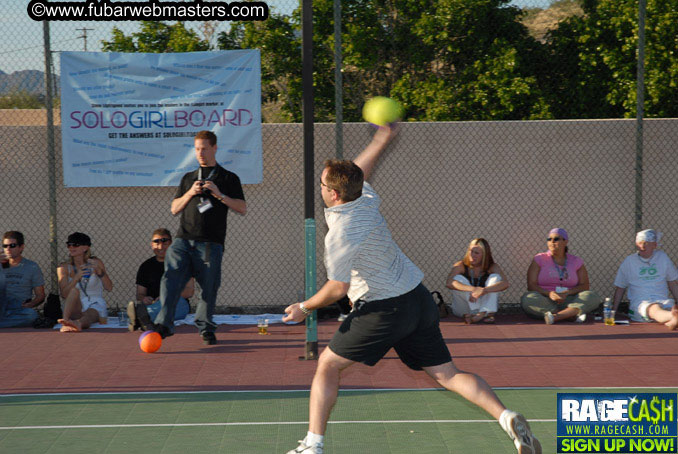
617	423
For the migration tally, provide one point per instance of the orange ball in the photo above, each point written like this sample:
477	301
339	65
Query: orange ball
150	341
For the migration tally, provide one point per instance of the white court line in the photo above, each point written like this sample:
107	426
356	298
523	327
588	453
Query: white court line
499	388
265	423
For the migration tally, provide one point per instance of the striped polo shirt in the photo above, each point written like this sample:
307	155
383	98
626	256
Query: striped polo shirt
359	250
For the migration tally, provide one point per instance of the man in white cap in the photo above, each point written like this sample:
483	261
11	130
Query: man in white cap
648	275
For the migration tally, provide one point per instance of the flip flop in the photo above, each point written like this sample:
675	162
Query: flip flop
489	319
478	317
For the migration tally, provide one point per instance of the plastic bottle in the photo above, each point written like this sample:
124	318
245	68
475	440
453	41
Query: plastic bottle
608	316
84	280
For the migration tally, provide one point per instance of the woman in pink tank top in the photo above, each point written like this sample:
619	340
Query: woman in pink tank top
558	284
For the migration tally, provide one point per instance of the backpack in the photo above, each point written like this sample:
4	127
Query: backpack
51	312
443	310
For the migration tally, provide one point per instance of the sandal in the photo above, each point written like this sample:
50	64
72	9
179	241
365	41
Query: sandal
479	317
489	319
474	318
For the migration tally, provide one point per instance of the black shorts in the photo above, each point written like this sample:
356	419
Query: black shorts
408	323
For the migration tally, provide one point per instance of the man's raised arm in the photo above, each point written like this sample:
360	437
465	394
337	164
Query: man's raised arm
367	159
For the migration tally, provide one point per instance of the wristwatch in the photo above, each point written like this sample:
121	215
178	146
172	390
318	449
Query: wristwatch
303	309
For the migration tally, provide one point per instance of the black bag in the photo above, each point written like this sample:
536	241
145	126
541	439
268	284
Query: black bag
52	307
51	312
442	307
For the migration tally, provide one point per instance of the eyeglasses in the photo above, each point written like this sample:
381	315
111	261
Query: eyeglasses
161	240
10	245
323	184
554	239
73	244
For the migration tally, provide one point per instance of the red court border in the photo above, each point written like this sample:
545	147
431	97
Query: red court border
515	352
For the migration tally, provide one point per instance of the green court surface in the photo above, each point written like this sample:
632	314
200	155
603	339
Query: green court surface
363	421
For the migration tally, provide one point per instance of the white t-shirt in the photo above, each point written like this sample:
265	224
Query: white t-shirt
359	249
646	279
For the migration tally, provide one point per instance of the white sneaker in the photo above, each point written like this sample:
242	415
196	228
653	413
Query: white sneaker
548	318
304	449
518	429
342	317
581	318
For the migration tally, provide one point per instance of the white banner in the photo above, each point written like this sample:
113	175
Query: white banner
128	119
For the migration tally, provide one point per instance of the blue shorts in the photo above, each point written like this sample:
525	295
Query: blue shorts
408	323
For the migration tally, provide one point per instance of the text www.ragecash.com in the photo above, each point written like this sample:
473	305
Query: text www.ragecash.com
107	10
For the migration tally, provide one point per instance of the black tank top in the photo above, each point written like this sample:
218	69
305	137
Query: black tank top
476	281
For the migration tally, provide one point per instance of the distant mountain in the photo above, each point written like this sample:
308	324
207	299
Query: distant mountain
31	81
541	21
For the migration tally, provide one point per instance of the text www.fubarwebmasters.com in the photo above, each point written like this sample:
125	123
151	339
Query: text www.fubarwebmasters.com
107	10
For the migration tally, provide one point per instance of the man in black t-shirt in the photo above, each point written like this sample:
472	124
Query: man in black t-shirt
203	199
148	280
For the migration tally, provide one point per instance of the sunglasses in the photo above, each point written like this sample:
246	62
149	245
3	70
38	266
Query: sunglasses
161	240
10	245
73	245
554	239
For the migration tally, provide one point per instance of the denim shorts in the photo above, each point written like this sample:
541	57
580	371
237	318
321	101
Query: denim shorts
409	323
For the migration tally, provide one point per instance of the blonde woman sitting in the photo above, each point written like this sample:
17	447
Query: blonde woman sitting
476	282
82	281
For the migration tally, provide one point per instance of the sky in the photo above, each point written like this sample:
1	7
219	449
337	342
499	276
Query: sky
22	38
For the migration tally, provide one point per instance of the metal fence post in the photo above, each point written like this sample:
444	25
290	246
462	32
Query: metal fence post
640	101
338	83
51	160
309	187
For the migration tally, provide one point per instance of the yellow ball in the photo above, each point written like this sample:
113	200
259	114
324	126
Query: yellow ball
381	111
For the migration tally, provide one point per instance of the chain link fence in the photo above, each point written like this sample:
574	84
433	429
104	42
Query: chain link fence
442	183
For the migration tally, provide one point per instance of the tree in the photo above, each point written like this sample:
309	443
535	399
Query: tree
280	48
454	59
444	59
597	59
22	100
156	37
480	64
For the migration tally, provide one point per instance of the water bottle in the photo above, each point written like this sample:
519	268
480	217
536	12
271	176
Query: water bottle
86	274
608	316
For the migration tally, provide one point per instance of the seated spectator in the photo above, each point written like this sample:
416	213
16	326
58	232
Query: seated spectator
4	263
24	285
82	281
648	274
149	276
476	281
558	284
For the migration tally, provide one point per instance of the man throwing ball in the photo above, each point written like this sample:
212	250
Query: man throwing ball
392	308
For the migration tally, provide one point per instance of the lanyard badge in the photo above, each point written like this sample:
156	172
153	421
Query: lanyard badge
205	203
